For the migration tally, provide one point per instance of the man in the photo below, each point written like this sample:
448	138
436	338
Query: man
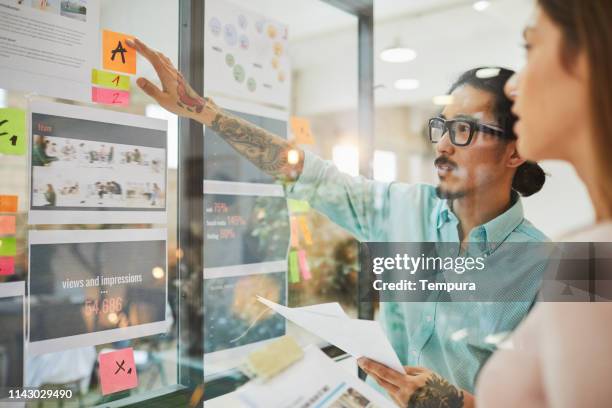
477	201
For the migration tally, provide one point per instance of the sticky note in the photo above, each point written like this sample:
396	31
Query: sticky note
8	246
7	224
297	206
304	265
301	131
110	80
305	230
8	203
12	131
110	96
117	371
116	55
294	269
7	265
294	232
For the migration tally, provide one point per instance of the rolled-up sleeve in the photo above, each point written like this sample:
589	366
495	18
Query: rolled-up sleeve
355	203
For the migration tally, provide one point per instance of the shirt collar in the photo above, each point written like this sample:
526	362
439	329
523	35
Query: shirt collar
495	231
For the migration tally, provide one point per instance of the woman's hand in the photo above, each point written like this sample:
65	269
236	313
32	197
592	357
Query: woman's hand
176	95
418	387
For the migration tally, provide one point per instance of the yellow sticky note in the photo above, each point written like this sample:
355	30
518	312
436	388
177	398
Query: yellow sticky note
12	131
297	206
294	268
110	80
116	55
302	134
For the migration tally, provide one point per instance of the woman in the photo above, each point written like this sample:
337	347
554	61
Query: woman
561	355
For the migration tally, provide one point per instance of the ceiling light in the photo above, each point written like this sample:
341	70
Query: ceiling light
407	84
481	5
485	73
398	54
443	100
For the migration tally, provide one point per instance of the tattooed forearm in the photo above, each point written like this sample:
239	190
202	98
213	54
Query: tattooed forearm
266	150
436	393
187	98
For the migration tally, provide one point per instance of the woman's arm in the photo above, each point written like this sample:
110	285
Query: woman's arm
269	152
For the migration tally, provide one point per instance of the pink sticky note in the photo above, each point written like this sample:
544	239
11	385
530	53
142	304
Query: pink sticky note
295	239
110	96
117	371
7	265
304	265
7	225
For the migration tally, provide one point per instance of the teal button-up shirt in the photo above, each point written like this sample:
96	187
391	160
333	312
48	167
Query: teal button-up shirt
453	339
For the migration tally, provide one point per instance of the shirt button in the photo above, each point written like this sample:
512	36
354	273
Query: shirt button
414	352
428	318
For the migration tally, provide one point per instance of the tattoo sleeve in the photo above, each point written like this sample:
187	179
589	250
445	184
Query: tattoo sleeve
266	150
436	393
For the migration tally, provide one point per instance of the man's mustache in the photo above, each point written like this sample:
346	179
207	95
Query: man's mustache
444	161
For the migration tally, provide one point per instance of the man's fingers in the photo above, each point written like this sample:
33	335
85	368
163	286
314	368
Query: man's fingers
410	370
382	371
150	89
152	56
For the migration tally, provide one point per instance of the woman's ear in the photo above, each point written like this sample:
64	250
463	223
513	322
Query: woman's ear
515	159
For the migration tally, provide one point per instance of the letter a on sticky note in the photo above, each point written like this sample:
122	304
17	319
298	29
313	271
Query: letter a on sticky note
116	55
7	265
12	131
117	371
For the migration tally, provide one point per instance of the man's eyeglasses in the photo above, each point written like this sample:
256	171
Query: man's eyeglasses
460	131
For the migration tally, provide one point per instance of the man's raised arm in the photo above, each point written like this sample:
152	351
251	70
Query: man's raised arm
270	152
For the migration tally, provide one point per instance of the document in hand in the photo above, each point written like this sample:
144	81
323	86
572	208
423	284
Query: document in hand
359	338
314	381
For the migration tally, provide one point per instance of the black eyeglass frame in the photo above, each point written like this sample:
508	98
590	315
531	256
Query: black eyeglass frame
474	127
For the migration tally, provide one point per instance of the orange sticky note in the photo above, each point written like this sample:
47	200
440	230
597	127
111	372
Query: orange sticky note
110	96
8	203
301	131
305	230
7	225
294	232
117	371
116	54
304	268
7	265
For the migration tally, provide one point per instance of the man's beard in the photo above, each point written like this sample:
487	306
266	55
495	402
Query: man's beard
449	195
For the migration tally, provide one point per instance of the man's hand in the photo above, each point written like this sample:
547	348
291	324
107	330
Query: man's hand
417	388
176	95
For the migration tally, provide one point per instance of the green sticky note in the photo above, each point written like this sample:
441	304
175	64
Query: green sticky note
12	131
294	269
8	247
110	80
296	206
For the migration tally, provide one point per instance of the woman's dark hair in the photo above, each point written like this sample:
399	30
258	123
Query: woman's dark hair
529	177
585	27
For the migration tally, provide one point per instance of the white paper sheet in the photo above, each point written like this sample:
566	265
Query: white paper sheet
314	381
360	338
49	47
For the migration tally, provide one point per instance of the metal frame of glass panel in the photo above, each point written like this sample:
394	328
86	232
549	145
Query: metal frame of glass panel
191	170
